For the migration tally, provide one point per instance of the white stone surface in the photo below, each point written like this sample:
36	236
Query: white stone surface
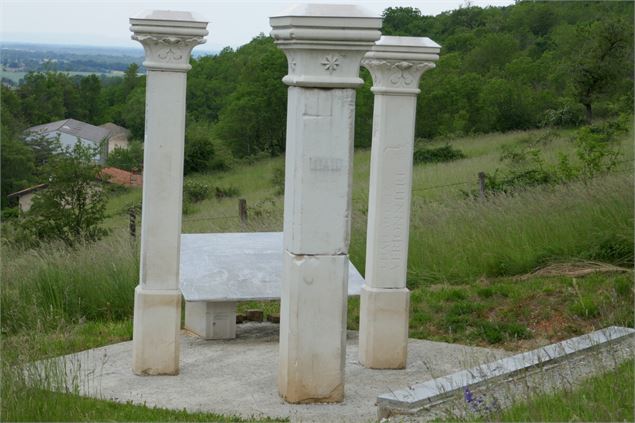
155	332
390	191
520	376
238	267
238	377
211	320
318	173
395	64
313	328
168	38
324	45
383	328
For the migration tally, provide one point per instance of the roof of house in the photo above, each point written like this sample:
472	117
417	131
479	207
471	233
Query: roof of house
73	127
114	129
27	190
121	177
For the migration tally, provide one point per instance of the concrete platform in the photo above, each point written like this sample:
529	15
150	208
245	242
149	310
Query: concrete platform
238	376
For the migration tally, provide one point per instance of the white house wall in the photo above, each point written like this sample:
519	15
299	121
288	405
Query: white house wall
68	141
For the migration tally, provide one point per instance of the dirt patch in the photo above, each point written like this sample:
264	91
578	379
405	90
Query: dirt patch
575	269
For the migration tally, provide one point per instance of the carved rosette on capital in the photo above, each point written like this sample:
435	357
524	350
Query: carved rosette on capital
168	39
324	51
396	76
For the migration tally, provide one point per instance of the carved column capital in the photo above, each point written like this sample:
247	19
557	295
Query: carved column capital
397	63
325	43
168	38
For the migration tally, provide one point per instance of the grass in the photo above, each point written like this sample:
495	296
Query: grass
54	285
465	259
604	398
22	402
521	314
513	234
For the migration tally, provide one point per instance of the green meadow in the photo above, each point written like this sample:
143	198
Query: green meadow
512	270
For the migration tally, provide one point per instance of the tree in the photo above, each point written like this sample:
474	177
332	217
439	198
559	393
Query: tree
133	113
602	57
90	100
131	80
41	98
129	159
254	119
18	167
199	150
73	206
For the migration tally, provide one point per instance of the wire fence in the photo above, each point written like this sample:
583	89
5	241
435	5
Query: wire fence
242	203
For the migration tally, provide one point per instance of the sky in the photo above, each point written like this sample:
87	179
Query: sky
105	23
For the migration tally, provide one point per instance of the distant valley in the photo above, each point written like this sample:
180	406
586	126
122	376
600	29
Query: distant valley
17	59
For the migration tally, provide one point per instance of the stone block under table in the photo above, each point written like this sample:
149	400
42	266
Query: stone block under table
219	270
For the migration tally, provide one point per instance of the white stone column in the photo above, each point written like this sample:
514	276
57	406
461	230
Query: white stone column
168	38
324	45
396	64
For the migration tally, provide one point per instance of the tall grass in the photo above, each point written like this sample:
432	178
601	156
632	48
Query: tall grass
53	285
604	398
513	234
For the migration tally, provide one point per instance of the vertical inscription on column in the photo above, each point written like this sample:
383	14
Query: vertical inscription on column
393	225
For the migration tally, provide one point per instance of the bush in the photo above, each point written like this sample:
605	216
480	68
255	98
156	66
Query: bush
278	180
73	206
195	191
228	192
526	166
199	150
566	116
446	153
129	159
10	213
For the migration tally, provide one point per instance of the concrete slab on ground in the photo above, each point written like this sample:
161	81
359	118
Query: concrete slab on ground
238	376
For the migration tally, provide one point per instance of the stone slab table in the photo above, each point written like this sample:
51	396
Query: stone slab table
219	270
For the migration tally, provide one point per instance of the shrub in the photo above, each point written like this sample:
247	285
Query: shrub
199	150
565	116
228	192
278	180
446	153
526	166
73	206
129	159
195	191
10	213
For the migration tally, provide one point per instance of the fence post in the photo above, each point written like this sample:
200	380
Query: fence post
133	223
242	210
481	184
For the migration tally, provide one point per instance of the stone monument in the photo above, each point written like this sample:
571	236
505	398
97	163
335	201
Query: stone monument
324	45
395	64
168	38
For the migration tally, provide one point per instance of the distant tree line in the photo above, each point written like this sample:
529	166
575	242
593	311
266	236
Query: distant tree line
501	68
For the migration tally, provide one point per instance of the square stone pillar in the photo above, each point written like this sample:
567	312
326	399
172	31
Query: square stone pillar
168	38
324	45
396	64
